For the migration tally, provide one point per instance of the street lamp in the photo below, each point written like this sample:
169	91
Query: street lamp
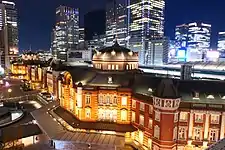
9	91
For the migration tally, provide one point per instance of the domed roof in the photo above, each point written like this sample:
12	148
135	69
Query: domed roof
116	48
115	53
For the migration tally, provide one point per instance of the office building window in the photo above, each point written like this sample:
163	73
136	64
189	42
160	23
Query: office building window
215	119
133	104
142	106
213	135
124	101
183	116
142	120
157	115
88	99
133	119
199	118
156	131
182	133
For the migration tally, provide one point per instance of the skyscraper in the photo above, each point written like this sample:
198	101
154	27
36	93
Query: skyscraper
9	32
157	54
145	20
181	35
67	31
199	35
116	23
221	42
194	38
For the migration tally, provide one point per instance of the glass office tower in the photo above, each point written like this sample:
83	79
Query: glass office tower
9	33
146	21
116	23
66	31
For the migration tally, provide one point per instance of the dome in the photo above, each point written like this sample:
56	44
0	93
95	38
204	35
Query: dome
116	56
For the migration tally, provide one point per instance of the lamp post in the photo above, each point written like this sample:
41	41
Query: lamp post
9	91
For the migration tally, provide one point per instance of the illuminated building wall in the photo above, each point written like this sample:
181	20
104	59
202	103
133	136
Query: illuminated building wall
145	20
181	35
9	27
81	34
199	35
221	44
157	54
116	23
67	31
195	37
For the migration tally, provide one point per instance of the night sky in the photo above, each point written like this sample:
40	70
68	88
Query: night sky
37	17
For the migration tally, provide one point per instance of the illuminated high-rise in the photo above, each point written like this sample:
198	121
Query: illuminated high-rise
67	31
181	35
194	38
221	42
9	32
116	23
145	21
199	35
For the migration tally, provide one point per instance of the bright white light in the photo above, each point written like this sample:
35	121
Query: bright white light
34	121
6	84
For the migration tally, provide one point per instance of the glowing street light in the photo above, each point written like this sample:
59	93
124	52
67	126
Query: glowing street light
9	90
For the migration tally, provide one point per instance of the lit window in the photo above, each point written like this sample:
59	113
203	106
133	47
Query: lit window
142	120
198	134
150	109
133	104
182	133
114	100
124	101
117	67
156	131
110	81
112	67
109	67
199	118
215	119
142	106
183	116
149	143
175	133
133	116
150	123
213	135
88	99
100	101
88	113
157	115
123	115
107	99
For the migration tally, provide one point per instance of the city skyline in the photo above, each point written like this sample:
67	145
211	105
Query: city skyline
31	33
